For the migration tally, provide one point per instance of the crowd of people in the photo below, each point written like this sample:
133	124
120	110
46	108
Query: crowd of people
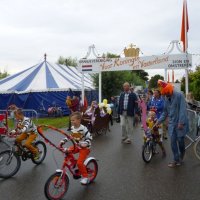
163	110
167	110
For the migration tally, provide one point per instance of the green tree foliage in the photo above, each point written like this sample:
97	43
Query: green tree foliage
153	82
194	83
69	61
3	74
142	74
112	81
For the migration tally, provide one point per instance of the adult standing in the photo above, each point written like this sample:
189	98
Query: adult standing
126	110
178	126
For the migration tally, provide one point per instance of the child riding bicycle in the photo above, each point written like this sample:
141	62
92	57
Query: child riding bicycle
151	121
83	138
27	130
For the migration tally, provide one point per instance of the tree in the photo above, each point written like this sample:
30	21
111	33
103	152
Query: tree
3	75
153	82
142	74
177	81
194	82
69	61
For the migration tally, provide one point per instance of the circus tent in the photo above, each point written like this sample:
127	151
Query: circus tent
43	85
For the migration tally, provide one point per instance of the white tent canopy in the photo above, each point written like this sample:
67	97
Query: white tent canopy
45	77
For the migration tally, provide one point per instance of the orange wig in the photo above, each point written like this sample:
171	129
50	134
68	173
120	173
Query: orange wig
165	88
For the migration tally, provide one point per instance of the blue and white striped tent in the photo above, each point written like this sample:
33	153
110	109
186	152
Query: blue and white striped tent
44	84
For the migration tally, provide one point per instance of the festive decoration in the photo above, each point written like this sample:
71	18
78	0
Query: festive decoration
105	107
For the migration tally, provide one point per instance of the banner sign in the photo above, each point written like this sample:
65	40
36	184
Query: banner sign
171	61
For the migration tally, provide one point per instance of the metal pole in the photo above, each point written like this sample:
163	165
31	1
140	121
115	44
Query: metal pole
186	46
166	75
100	87
186	82
83	86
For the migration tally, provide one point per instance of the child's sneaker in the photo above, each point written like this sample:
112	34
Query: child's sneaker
84	181
36	156
127	141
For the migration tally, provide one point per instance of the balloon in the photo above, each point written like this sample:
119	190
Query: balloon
105	101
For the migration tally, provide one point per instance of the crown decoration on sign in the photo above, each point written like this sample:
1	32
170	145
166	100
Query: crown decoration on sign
131	51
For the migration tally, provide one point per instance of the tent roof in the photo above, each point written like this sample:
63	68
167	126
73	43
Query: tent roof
45	77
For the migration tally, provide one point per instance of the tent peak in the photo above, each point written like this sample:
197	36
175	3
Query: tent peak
45	57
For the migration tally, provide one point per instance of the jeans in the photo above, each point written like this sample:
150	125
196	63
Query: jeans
177	146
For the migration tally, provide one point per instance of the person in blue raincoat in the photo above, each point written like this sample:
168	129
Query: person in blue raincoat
178	126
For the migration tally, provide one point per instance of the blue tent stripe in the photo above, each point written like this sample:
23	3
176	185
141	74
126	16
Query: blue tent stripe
86	79
74	83
50	81
74	73
23	84
15	75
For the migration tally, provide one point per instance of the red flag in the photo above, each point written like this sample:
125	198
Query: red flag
184	26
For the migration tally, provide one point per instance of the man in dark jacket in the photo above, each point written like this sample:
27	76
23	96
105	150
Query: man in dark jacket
126	110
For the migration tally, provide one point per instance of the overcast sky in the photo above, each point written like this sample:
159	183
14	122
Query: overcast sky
30	28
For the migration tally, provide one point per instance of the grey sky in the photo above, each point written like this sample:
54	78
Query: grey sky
29	28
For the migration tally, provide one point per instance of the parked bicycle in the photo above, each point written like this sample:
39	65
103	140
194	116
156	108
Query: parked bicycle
57	184
10	161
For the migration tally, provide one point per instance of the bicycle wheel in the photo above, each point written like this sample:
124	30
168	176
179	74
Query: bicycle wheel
56	186
9	163
42	149
92	169
197	149
147	152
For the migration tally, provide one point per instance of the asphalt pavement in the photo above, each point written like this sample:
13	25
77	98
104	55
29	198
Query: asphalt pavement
122	175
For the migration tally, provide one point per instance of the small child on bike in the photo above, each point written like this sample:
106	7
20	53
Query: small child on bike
27	130
151	121
83	138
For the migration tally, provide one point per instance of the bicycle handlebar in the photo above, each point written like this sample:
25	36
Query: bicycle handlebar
60	147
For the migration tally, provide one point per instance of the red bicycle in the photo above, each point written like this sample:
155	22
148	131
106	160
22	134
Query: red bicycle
58	183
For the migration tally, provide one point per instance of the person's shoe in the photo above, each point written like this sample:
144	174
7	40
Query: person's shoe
36	156
155	152
174	164
84	181
127	141
123	139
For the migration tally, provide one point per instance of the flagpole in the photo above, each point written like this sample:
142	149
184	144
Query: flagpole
100	87
83	86
186	45
166	75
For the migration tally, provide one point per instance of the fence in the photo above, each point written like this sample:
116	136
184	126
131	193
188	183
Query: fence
27	112
194	125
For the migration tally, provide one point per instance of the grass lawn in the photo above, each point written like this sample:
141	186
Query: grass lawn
58	122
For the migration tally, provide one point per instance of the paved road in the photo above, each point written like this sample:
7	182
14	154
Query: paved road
122	174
